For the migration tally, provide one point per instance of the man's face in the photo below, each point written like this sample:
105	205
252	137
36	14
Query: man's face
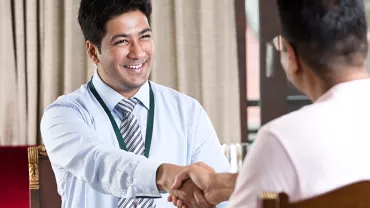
126	57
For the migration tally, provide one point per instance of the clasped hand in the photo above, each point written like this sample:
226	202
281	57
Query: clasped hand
193	187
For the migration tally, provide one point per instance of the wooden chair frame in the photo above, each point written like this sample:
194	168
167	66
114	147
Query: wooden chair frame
34	153
355	195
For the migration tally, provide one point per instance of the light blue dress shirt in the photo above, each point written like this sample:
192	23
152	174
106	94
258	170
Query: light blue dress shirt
90	168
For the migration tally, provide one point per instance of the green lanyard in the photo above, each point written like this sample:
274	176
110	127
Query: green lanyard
149	125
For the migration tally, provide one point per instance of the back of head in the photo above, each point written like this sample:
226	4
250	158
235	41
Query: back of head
93	15
326	34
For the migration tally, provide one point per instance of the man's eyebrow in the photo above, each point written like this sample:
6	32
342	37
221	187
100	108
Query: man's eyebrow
119	36
122	35
145	31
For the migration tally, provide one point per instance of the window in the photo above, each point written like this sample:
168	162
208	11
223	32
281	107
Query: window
253	67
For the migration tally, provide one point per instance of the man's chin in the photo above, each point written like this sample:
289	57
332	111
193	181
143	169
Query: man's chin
136	83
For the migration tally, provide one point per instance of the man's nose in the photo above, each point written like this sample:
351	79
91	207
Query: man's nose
136	51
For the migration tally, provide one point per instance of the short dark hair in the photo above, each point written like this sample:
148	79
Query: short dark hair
94	14
325	31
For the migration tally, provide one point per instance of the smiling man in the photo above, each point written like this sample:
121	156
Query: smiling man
120	139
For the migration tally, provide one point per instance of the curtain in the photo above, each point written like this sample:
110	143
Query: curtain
43	56
196	54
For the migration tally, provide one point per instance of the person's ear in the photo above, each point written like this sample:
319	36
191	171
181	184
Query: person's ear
292	57
92	51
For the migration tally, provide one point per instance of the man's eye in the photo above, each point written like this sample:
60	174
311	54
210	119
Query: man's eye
120	41
145	36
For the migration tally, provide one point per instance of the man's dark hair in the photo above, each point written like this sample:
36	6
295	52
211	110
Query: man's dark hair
325	33
94	14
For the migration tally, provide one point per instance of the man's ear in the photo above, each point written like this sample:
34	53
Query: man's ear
92	51
292	57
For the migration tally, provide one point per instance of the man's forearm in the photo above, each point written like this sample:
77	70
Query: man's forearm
224	186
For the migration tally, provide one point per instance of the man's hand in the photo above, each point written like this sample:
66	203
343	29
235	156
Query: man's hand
202	176
216	187
190	193
190	196
166	174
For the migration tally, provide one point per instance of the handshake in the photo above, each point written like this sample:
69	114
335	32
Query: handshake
195	185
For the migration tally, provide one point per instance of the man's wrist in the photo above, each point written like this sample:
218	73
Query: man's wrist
224	186
166	174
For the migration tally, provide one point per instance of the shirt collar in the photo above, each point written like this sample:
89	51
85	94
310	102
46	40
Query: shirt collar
341	87
111	97
143	95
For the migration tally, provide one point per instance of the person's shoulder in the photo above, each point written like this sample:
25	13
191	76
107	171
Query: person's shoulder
173	96
69	106
296	117
76	99
299	124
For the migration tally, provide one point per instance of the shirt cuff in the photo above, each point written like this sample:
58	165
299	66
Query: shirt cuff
146	179
223	204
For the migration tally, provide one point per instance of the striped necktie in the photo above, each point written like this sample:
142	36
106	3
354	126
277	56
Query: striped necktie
131	133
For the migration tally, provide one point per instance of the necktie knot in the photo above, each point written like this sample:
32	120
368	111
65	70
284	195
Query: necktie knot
127	105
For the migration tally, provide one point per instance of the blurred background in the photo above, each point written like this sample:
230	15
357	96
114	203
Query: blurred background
43	56
217	51
268	93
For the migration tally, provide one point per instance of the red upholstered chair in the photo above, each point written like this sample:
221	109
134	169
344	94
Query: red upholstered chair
13	177
42	184
356	195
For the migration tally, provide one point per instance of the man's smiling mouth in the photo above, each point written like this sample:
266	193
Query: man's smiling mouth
135	66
